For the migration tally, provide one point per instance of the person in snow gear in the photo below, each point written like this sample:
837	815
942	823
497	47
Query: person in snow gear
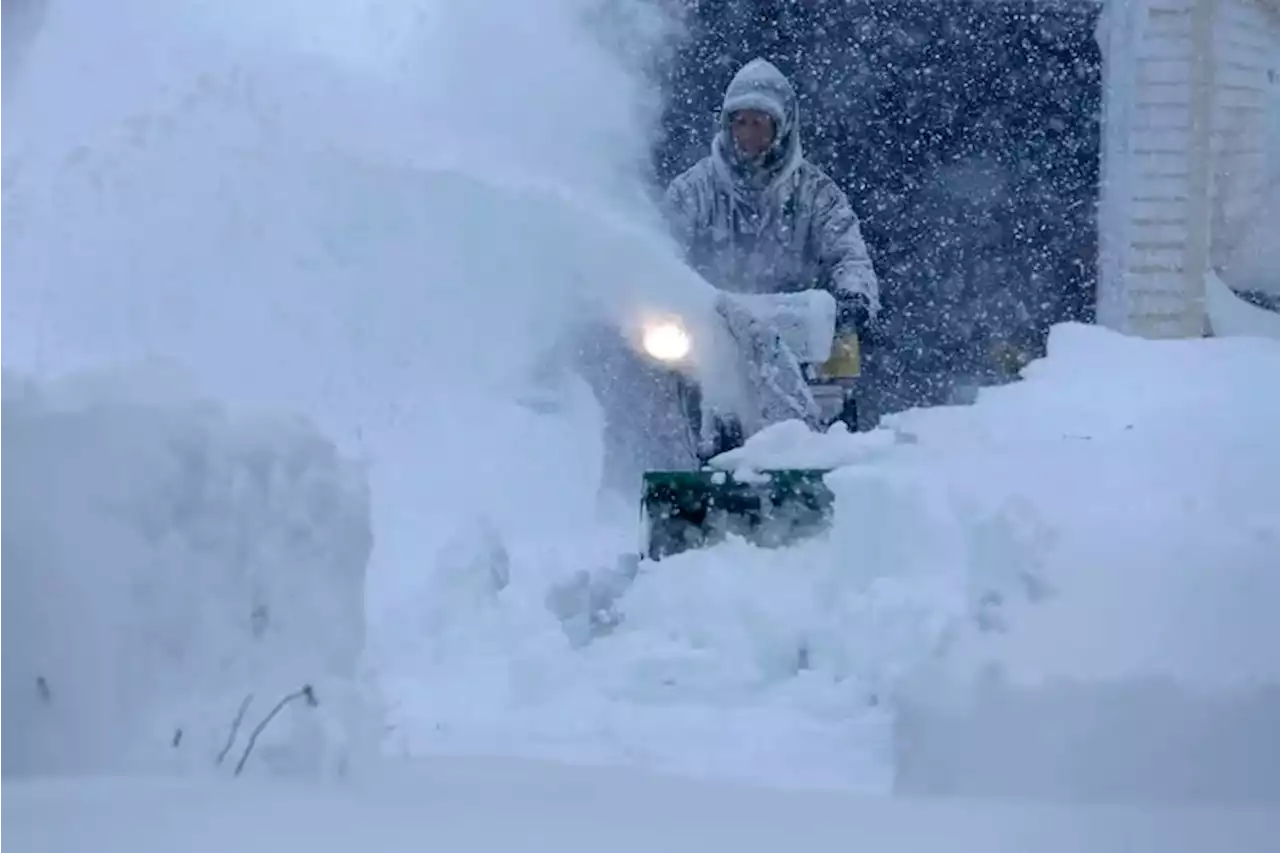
772	232
755	216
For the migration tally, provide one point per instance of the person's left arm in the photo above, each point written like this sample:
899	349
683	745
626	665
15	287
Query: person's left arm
843	252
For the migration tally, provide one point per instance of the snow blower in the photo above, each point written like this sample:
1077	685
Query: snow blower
786	364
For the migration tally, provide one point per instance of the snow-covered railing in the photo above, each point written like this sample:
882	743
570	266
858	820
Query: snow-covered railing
1190	166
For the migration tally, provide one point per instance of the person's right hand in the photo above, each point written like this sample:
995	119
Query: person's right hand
853	314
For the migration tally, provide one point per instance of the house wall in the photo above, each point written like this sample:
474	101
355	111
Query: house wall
1188	151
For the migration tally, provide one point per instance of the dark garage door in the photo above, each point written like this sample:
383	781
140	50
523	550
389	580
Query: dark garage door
966	134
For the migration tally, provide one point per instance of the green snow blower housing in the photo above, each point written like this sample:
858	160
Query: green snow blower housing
681	510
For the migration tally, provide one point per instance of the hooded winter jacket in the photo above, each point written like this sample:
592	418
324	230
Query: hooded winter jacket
776	225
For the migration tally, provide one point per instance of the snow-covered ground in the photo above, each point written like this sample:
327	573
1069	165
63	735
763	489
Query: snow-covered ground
504	805
304	225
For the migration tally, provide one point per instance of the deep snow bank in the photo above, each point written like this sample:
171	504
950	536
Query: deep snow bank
1133	488
1149	469
1157	466
1112	519
162	560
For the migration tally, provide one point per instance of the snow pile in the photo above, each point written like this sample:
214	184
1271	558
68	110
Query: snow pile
163	561
1147	478
1158	466
735	662
1113	516
1152	671
727	664
1152	469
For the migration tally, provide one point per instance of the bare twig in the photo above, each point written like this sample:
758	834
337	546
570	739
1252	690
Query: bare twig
305	693
235	727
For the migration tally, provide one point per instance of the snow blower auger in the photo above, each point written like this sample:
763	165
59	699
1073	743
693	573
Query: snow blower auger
681	510
782	335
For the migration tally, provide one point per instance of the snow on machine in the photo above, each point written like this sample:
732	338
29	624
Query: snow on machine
784	362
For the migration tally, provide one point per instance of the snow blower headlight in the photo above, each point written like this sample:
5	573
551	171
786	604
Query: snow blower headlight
666	341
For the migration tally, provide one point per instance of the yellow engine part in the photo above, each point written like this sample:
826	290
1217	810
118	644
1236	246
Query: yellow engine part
846	359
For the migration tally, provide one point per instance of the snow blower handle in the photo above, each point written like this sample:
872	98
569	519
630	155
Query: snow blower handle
853	312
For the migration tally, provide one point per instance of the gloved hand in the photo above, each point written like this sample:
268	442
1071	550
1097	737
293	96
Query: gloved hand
853	327
853	314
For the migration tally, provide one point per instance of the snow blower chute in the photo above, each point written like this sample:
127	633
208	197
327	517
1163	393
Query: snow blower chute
787	365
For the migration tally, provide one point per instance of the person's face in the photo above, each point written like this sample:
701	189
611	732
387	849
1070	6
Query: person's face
752	131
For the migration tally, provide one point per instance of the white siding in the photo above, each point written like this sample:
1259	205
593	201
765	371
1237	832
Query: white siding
1189	88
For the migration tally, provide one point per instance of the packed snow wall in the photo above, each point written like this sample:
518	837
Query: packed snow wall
164	560
1147	671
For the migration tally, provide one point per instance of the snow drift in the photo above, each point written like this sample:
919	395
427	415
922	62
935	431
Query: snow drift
1148	670
1115	516
164	560
1150	469
1103	532
1156	464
